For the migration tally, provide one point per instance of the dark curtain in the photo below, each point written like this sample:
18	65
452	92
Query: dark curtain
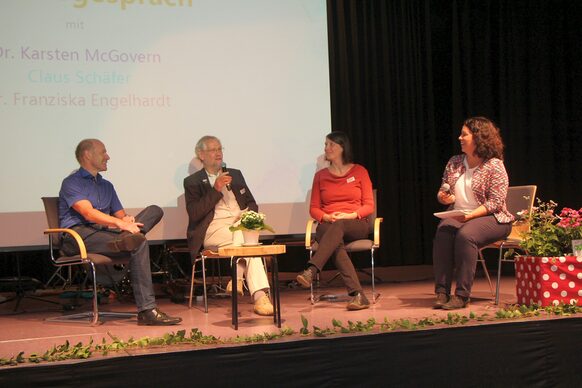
405	74
520	63
381	94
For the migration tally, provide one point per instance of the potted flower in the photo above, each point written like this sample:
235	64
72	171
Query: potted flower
251	223
551	234
549	273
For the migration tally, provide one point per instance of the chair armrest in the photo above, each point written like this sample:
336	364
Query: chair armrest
377	222
209	253
308	232
75	235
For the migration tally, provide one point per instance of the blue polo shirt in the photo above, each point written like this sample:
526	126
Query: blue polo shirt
82	185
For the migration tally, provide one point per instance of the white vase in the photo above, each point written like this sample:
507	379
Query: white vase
251	237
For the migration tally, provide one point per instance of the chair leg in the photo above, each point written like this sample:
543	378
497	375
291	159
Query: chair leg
94	315
192	284
95	297
498	285
204	284
373	277
311	296
482	260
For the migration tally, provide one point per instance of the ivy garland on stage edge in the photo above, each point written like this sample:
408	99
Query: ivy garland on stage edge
196	338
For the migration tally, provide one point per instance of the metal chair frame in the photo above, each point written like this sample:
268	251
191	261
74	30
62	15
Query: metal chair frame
208	253
86	259
373	246
211	252
519	198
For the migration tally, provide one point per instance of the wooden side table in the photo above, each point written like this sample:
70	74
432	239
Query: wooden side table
236	252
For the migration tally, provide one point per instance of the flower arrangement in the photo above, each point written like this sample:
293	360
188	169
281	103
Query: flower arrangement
551	234
251	220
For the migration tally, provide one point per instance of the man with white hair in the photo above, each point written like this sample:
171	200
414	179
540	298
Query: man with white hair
215	200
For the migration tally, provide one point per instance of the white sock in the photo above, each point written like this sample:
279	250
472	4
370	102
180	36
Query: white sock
258	295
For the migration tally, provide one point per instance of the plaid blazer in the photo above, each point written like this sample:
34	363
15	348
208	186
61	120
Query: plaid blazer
489	184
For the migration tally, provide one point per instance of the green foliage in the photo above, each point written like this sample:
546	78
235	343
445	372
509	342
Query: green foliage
551	234
517	311
318	332
304	330
251	220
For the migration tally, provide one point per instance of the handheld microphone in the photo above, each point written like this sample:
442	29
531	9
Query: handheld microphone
225	170
446	188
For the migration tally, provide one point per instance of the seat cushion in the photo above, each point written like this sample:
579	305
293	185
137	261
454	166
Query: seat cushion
507	244
211	252
96	258
354	246
359	245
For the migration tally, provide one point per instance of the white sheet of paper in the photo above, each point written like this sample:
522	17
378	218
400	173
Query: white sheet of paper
450	213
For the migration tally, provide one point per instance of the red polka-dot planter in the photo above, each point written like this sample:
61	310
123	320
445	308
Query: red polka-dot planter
547	281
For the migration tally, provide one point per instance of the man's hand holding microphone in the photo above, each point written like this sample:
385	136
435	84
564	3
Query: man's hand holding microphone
223	179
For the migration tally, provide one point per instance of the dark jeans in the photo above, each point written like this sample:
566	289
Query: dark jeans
456	248
97	240
331	238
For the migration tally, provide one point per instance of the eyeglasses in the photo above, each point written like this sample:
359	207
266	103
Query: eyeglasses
214	150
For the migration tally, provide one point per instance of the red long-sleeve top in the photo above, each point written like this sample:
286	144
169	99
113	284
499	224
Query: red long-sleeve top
349	193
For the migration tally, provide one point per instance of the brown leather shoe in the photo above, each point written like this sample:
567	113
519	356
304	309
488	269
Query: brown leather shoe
126	242
441	299
358	302
154	317
305	278
455	303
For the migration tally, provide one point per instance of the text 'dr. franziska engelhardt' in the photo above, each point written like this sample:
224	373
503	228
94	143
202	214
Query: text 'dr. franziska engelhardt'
95	100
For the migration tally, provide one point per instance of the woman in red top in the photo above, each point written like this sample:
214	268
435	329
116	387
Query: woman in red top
475	182
341	199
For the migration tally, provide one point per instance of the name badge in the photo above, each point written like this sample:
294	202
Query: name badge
351	179
243	190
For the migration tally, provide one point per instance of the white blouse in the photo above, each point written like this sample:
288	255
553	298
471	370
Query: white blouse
464	197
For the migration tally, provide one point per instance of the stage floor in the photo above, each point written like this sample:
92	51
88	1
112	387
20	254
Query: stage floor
405	293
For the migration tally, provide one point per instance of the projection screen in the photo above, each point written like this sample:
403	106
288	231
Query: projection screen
149	78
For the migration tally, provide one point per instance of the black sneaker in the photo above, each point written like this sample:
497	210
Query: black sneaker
358	302
441	299
455	303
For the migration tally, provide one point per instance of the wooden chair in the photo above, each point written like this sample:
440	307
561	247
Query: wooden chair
86	259
519	198
363	245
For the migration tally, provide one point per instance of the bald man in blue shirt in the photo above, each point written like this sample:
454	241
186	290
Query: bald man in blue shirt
89	205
